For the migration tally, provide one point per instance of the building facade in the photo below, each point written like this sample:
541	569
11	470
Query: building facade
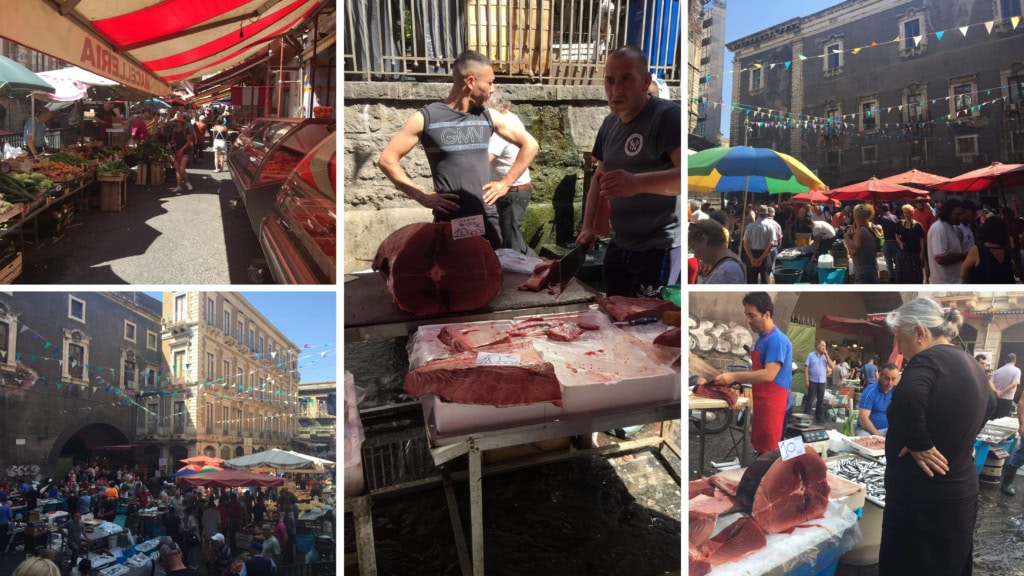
71	368
712	66
318	428
876	87
230	385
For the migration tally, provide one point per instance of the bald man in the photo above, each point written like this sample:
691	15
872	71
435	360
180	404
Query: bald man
455	135
638	171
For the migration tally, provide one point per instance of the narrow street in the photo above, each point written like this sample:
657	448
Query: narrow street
162	237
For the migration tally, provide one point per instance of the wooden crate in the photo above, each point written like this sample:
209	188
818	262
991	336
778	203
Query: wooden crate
10	272
113	192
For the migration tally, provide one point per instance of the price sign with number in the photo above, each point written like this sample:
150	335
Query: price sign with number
493	359
792	447
468	226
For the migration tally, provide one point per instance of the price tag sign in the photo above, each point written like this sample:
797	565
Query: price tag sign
468	226
492	359
792	448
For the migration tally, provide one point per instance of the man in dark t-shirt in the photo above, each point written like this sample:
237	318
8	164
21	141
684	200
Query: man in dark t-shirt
638	153
455	135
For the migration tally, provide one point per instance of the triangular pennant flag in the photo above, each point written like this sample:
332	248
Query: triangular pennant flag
1015	20
988	26
940	34
61	362
901	107
896	39
963	30
755	66
47	346
58	385
94	389
787	64
772	67
802	57
917	40
274	354
855	51
23	328
873	43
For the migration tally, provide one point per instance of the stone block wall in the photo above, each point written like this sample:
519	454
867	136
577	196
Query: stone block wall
563	119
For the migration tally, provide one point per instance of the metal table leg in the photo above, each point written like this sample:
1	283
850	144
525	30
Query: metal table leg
476	510
703	439
746	434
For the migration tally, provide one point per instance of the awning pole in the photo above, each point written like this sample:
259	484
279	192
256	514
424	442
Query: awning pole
280	80
312	69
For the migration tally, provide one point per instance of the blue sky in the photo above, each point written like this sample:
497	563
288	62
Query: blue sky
304	318
744	17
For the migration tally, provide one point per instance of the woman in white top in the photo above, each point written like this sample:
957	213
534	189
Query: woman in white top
512	206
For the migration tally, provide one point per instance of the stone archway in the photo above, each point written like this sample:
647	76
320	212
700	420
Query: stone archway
239	451
210	451
79	444
150	459
176	453
225	452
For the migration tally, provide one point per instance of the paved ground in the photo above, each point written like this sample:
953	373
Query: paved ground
997	537
162	237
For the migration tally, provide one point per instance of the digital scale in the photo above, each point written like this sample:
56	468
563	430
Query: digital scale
813	435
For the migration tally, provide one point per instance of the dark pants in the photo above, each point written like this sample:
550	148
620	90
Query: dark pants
889	249
629	273
758	274
5	535
815	391
1003	408
928	537
511	211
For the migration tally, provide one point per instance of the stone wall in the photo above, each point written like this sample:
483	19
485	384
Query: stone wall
563	119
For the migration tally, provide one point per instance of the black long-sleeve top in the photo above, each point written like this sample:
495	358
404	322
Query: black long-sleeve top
942	401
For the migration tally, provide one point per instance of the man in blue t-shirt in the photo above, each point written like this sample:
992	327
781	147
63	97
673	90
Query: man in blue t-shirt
816	369
869	371
874	402
772	374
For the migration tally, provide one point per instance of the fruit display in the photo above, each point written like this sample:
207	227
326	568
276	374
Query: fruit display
113	167
60	171
66	158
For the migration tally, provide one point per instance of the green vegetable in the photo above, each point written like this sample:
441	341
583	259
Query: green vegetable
37	176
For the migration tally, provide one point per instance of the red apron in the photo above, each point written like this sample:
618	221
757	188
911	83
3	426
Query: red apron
770	403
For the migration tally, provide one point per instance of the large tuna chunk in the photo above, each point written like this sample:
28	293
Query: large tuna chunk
782	494
429	272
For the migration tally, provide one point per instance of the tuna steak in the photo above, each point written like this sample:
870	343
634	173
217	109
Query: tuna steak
429	272
701	486
565	332
782	494
699	565
672	338
739	539
544	274
462	339
717	393
720	503
702	525
459	378
623	308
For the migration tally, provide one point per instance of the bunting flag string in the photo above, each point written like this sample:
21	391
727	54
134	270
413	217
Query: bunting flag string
1013	21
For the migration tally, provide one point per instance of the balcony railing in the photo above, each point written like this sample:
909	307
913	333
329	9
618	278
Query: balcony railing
552	41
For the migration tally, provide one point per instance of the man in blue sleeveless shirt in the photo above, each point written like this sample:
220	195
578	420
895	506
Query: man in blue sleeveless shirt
638	171
455	136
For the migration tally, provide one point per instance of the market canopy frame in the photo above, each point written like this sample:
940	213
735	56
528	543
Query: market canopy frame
279	460
231	479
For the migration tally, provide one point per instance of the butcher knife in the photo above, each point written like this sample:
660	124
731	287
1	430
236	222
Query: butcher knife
570	264
637	321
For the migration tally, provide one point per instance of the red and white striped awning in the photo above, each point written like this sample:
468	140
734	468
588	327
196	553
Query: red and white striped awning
149	44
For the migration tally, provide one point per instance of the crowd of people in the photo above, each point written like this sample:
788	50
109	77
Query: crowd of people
954	242
201	525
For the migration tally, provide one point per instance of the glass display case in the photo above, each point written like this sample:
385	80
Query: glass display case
265	153
299	234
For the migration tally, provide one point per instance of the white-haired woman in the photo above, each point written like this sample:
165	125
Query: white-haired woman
502	153
936	412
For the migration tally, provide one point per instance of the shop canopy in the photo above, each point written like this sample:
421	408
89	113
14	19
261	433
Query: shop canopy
278	460
149	44
231	479
852	326
14	76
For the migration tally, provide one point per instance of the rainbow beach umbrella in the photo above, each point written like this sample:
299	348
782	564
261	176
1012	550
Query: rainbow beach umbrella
745	169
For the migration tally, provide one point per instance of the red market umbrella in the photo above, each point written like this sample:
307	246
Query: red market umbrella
915	177
232	479
874	191
814	197
998	175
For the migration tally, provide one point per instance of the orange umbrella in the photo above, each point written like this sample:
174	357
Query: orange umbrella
874	191
915	177
203	460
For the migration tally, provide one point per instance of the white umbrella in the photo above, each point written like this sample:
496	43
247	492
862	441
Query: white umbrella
277	459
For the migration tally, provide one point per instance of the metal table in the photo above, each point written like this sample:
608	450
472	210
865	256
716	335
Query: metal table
445	449
705	404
